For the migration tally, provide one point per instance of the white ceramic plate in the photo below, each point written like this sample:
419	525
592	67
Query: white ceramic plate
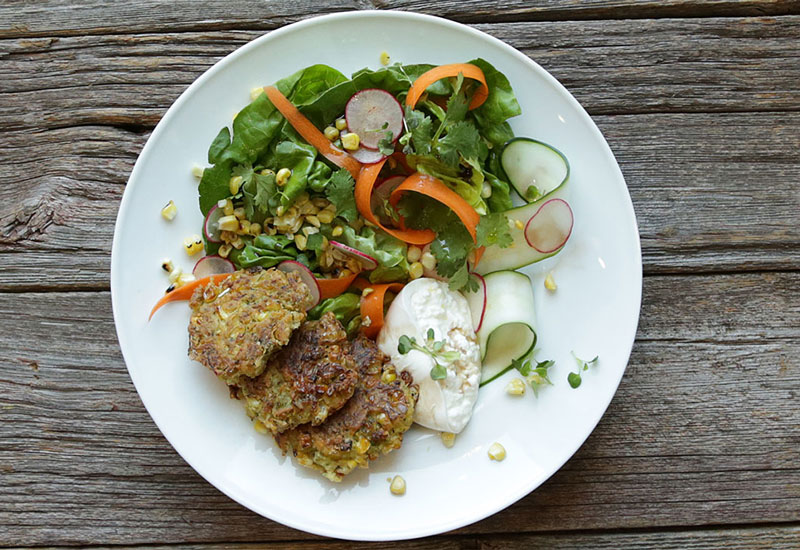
594	312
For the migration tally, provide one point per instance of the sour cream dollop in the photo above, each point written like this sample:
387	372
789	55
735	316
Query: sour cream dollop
424	304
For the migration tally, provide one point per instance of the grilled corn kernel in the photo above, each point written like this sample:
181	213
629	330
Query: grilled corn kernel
227	208
228	223
385	59
550	282
340	124
448	439
398	486
331	133
350	141
338	230
197	171
388	377
519	225
234	184
255	92
325	216
310	230
414	253
237	243
184	279
415	270
255	229
428	261
301	241
280	210
167	265
244	227
516	387
313	220
260	427
170	288
282	177
174	274
193	244
224	250
363	445
367	291
497	452
239	213
169	211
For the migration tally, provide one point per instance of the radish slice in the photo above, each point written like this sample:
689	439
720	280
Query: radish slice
371	113
288	266
212	265
367	156
367	262
550	227
210	227
477	303
380	195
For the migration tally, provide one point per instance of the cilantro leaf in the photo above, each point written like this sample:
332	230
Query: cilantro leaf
386	145
421	136
340	191
458	104
462	138
493	230
266	192
245	171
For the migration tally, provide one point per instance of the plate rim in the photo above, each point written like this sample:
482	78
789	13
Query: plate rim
276	34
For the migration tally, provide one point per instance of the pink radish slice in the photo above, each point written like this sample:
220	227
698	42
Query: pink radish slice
371	113
381	194
212	265
367	156
477	303
210	228
550	227
289	266
366	261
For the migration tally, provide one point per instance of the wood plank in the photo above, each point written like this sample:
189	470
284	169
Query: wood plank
67	17
753	538
691	177
84	464
611	67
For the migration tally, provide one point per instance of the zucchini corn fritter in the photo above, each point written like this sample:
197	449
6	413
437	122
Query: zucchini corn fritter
237	324
371	424
313	376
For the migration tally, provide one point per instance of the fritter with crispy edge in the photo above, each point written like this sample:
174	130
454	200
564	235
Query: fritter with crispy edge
371	424
237	324
309	379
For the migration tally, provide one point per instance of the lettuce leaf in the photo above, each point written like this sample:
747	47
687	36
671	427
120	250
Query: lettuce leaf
387	250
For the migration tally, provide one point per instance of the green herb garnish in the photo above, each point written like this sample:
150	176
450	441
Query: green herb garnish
574	378
431	347
535	375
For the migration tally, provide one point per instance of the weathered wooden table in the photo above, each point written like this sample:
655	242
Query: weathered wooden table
700	101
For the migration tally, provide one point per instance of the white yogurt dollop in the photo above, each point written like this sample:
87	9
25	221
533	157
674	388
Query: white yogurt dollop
423	304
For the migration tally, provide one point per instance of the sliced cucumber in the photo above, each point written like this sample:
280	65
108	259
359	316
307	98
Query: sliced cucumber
521	253
508	328
534	168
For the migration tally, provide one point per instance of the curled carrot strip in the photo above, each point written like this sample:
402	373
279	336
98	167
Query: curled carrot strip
364	184
310	133
372	307
443	71
435	189
185	292
330	288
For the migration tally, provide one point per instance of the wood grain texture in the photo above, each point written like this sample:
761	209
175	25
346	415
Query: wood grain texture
68	17
755	538
696	182
612	67
83	462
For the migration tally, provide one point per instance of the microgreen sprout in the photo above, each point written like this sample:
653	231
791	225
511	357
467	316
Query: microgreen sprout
535	375
431	347
574	378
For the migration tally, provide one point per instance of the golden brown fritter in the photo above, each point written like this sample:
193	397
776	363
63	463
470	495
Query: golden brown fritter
313	376
371	424
237	324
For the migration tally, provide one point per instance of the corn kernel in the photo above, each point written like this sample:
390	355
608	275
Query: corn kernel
227	208
197	171
516	387
363	445
519	225
234	184
224	250
313	220
239	213
550	282
415	270
414	253
341	124
497	452
174	274
398	486
193	244
448	439
385	59
301	241
167	265
350	141
280	210
331	133
428	261
255	229
228	223
184	279
255	92
388	377
310	230
282	177
260	427
325	216
169	211
237	243
338	230
367	291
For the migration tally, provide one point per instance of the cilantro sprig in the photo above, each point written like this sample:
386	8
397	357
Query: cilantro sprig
431	347
340	191
574	378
